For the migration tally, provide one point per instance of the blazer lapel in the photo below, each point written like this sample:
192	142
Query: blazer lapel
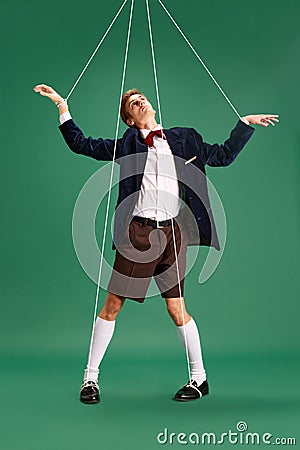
176	146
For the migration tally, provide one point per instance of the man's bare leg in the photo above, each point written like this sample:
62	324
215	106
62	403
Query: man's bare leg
112	306
175	308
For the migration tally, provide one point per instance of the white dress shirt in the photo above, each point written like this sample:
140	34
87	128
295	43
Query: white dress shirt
64	117
159	194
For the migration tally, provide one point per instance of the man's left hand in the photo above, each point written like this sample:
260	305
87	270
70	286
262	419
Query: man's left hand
262	119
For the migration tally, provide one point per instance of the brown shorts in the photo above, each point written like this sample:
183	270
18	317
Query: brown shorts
147	252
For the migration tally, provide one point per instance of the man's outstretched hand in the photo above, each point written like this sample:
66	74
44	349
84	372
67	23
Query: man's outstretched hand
262	119
47	91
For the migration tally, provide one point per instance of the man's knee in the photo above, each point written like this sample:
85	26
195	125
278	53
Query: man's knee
177	311
112	306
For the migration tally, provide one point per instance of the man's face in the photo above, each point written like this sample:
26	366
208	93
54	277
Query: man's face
139	109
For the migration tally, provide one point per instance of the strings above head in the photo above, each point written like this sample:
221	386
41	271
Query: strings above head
95	51
200	59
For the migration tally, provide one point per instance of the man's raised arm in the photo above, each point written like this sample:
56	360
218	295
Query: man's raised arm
100	149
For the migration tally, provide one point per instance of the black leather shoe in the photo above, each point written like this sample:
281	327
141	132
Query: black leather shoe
89	392
191	391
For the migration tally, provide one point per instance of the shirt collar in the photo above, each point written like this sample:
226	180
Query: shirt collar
144	133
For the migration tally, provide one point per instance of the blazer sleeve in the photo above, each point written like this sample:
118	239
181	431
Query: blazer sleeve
100	149
216	155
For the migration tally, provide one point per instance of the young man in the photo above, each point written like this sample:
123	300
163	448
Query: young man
150	219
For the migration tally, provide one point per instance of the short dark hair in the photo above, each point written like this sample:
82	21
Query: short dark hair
126	96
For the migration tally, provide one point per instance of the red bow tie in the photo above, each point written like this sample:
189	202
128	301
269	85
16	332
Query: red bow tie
149	138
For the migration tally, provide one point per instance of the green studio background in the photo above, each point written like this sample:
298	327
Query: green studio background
247	312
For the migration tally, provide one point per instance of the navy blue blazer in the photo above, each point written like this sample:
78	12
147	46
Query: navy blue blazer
185	143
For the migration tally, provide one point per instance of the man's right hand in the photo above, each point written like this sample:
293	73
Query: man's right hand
47	91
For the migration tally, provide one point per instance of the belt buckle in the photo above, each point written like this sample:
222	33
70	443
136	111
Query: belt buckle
157	224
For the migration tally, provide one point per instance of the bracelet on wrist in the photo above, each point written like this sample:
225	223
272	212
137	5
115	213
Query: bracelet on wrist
60	102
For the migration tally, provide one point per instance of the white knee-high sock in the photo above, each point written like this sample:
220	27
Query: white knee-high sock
103	332
194	350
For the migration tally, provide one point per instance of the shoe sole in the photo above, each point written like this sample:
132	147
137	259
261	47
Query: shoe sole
189	399
90	402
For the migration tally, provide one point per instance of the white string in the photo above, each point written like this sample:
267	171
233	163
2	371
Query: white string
110	184
198	57
95	51
172	221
